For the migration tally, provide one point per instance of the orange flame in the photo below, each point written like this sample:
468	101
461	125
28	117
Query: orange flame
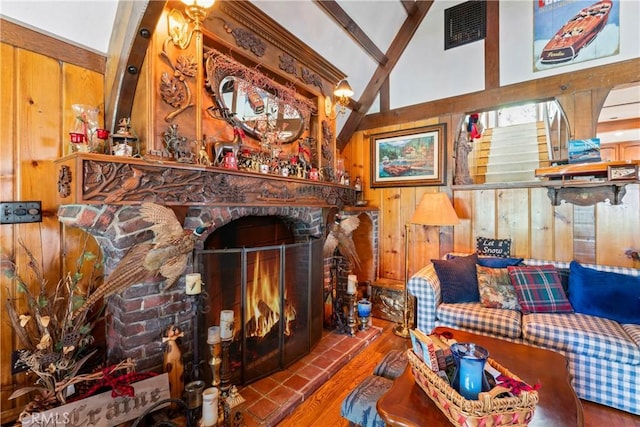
263	300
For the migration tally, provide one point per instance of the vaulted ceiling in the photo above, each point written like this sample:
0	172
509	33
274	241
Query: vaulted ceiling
363	39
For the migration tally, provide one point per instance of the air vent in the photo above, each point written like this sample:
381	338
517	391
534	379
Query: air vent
465	23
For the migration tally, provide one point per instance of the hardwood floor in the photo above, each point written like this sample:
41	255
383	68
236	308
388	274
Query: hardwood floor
322	409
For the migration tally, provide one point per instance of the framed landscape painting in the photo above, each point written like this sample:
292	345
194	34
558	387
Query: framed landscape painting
409	157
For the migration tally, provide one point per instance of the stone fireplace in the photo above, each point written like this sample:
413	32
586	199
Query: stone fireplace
91	198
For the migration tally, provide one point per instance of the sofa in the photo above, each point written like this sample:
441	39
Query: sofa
603	354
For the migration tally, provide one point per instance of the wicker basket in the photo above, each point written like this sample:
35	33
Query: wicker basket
488	410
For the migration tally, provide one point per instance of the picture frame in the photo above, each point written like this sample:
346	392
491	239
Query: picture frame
622	172
409	157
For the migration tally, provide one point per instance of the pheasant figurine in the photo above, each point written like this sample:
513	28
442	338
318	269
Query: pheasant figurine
167	255
340	238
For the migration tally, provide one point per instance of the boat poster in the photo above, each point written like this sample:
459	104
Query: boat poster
572	31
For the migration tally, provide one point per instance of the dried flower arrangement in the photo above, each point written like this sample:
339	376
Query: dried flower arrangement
55	336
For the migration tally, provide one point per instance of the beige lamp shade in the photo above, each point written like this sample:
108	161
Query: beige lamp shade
435	209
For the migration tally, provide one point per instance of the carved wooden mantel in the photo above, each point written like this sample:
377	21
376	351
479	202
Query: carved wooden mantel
85	178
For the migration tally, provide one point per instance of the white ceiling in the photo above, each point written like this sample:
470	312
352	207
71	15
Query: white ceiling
89	23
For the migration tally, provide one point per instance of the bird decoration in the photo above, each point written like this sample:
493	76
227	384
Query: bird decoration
167	255
339	237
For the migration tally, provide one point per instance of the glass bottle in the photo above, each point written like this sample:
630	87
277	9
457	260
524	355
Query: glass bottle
469	379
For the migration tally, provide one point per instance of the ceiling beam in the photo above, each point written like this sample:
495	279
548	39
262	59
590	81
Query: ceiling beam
409	6
492	46
398	45
543	89
341	17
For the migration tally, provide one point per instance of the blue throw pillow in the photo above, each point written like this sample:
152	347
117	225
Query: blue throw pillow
613	296
496	262
458	280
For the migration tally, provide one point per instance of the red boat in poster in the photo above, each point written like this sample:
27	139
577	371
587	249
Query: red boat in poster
577	33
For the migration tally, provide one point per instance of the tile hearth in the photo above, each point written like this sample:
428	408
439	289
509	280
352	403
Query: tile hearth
271	399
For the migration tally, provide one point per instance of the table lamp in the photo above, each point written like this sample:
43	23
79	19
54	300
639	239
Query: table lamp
434	209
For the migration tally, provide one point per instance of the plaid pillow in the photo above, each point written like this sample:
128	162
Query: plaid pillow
539	289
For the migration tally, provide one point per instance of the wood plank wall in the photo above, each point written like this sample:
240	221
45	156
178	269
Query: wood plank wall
37	89
593	234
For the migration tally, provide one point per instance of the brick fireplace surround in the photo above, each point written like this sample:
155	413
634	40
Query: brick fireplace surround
91	196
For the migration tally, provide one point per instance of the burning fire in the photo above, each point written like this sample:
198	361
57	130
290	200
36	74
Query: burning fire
263	301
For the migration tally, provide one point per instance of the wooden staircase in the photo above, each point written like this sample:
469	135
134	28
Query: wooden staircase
511	153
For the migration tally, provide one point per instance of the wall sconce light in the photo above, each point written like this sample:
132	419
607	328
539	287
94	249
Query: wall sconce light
196	11
342	94
180	35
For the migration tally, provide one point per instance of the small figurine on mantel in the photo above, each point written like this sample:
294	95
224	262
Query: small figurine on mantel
124	140
172	363
176	145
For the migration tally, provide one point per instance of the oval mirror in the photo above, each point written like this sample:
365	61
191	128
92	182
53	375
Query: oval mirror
259	112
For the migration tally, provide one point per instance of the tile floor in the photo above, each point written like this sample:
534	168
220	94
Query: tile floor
271	399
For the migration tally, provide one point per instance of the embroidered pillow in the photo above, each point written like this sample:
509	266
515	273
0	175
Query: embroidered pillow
495	288
458	281
493	247
610	295
539	289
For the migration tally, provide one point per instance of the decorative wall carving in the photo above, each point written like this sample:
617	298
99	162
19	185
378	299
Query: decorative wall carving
120	180
64	181
174	88
288	64
246	39
311	78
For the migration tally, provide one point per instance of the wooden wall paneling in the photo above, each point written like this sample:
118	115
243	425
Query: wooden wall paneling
38	122
392	235
563	232
513	219
584	237
424	244
463	233
79	86
7	192
618	229
583	125
541	225
357	154
484	215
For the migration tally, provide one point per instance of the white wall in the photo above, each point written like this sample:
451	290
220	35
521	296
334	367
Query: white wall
85	23
427	72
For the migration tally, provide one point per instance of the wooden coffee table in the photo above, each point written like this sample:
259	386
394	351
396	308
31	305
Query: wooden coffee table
407	405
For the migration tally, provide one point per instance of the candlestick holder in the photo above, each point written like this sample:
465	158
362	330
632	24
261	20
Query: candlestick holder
225	368
199	306
215	362
351	318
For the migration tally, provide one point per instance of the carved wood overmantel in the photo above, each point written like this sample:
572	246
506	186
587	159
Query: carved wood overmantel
85	178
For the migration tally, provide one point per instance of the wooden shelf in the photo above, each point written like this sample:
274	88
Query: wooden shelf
569	183
596	169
